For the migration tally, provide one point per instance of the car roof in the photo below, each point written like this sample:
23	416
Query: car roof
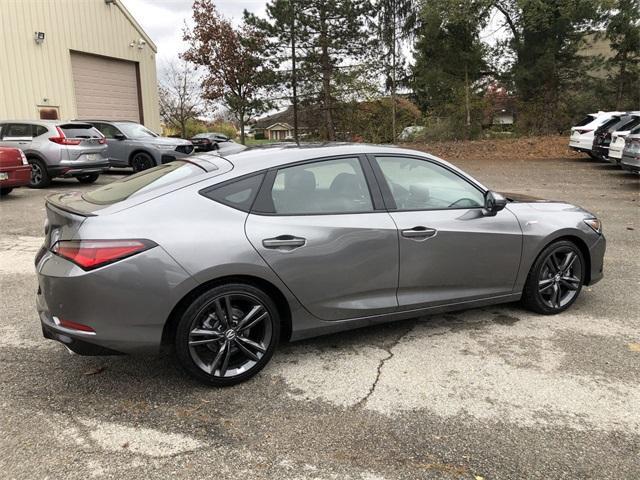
264	157
47	122
107	121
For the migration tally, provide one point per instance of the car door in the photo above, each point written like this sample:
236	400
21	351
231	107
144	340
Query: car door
17	135
117	151
321	226
450	251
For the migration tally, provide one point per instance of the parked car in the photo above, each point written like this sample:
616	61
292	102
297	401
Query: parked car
224	256
581	139
134	145
56	148
205	142
603	134
15	171
631	153
617	145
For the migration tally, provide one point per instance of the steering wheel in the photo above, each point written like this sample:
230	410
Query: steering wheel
470	200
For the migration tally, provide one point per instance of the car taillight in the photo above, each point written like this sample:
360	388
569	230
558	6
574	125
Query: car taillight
90	254
24	158
73	325
61	139
584	130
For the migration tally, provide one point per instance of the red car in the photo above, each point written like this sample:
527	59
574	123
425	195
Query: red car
15	171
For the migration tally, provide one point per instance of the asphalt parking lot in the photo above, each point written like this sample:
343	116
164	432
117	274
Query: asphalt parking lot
486	393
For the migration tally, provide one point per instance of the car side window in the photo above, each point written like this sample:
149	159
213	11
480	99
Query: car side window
18	130
417	184
109	131
324	187
237	193
39	130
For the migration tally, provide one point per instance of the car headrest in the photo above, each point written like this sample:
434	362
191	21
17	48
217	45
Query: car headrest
419	193
345	183
300	180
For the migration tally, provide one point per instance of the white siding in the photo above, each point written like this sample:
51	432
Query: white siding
33	75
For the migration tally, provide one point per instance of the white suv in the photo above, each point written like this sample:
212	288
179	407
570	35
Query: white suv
582	133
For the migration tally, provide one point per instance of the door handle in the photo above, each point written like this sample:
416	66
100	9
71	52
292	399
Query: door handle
288	241
419	232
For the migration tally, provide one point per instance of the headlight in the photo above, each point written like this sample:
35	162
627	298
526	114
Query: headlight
595	224
166	147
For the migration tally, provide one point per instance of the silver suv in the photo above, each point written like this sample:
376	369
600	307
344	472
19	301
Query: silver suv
134	145
55	148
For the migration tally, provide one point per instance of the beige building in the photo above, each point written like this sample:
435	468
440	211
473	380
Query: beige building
73	59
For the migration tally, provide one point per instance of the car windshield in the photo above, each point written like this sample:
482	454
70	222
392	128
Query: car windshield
135	130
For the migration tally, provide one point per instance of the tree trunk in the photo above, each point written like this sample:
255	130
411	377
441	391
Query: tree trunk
325	66
467	101
393	78
620	86
241	119
294	79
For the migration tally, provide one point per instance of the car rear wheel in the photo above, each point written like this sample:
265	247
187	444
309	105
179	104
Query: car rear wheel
39	175
555	279
142	161
5	191
88	178
228	334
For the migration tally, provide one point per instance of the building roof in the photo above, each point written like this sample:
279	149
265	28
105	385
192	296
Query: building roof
136	25
306	118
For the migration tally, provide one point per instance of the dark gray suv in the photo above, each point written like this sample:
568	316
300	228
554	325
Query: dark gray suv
55	148
134	145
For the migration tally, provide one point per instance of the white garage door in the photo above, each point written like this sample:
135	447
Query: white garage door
106	88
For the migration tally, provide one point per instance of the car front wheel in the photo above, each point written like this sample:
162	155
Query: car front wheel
228	334
142	161
555	279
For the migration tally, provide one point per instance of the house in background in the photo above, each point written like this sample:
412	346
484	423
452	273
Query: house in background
279	126
76	59
500	109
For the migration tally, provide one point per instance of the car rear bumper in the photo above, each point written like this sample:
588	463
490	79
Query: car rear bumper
125	304
630	163
17	176
73	169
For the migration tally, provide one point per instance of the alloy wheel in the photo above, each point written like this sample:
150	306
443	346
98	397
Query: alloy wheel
140	162
36	173
560	277
230	334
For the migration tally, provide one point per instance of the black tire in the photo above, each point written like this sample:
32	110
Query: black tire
40	177
88	178
142	161
222	347
555	279
5	191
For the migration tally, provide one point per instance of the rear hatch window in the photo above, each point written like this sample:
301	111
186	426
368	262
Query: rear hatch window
585	120
143	182
80	131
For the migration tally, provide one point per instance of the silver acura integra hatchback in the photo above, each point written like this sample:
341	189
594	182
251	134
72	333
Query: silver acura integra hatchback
224	257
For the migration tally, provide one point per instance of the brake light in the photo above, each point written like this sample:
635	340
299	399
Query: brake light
61	139
73	325
90	254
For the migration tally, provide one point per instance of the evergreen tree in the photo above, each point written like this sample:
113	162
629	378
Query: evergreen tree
623	31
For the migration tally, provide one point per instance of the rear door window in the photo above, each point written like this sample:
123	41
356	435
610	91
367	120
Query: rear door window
143	182
18	130
109	131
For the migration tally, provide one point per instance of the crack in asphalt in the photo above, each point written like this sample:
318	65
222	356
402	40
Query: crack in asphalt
381	364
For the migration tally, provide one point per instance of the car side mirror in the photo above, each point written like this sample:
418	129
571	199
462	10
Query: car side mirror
493	203
120	136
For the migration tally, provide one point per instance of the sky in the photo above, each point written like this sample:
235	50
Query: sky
163	20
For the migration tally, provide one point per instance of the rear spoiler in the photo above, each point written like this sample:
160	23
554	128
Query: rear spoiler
73	202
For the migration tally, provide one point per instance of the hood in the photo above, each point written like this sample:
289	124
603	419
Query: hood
523	198
164	141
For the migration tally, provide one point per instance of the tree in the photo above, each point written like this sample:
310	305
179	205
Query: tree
235	71
395	22
179	94
449	58
546	36
623	31
319	46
